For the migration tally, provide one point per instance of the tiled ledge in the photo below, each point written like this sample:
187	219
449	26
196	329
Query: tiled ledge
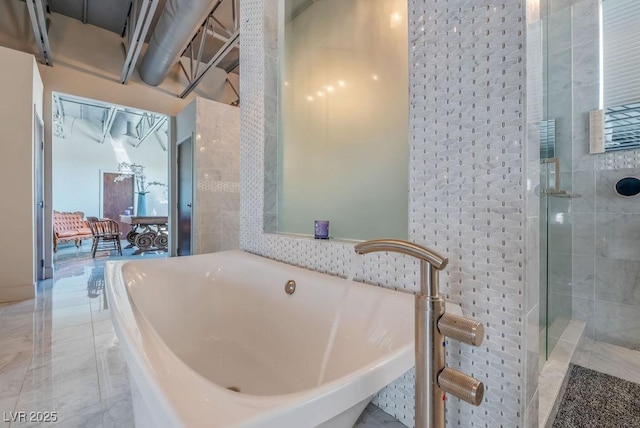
553	376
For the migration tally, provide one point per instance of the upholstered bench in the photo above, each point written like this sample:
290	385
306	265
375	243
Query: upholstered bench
69	227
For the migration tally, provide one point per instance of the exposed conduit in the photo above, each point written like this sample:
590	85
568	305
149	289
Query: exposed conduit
179	22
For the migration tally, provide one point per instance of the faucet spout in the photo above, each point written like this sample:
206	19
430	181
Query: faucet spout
431	263
409	248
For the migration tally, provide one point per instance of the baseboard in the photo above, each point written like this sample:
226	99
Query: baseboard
48	272
17	292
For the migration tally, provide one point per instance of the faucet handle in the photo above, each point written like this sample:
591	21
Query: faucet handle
461	385
465	330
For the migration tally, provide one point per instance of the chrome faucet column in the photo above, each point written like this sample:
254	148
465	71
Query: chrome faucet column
430	356
433	378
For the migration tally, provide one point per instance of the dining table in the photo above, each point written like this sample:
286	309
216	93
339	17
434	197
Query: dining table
148	233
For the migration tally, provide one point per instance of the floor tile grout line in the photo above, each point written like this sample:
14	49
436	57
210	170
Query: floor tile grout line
24	379
95	354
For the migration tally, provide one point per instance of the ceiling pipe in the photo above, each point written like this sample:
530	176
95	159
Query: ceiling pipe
131	130
179	22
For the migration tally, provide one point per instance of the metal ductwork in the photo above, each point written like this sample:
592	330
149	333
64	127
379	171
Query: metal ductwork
176	27
131	131
124	125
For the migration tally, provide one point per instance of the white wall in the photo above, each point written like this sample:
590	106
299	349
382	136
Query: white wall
78	162
186	122
17	274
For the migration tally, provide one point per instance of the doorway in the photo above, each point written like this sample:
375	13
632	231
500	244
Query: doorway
103	155
185	196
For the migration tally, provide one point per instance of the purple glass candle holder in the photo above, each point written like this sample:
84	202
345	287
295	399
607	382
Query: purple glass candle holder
321	229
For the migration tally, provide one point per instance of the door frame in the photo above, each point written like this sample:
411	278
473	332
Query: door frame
49	165
40	240
193	226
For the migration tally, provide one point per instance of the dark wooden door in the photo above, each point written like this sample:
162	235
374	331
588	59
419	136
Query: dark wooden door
117	197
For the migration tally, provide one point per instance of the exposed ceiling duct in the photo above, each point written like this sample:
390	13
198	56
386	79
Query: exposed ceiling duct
131	132
124	125
176	27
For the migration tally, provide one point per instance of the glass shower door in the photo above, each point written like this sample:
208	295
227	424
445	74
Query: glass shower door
555	255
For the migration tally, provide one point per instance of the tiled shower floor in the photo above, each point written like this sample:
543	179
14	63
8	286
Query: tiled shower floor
59	352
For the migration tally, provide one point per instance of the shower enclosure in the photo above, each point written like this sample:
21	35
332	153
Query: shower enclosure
590	235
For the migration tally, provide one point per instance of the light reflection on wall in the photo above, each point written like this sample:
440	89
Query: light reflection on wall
343	148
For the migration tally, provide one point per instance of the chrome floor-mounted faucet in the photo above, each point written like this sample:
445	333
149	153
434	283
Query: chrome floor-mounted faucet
433	377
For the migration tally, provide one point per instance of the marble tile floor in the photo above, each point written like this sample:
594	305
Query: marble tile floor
59	352
374	417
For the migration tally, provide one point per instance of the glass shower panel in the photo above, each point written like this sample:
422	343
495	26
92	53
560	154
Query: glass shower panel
558	264
556	178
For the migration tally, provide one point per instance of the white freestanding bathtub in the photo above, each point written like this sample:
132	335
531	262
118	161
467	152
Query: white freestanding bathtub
193	327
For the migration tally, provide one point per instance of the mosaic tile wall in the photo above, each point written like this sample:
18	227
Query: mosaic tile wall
217	169
471	188
617	160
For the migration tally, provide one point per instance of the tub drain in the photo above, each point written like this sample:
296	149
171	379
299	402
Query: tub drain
233	388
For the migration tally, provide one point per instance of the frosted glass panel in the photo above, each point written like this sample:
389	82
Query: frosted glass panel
343	149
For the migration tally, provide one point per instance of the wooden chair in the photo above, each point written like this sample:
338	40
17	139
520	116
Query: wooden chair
95	284
106	235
